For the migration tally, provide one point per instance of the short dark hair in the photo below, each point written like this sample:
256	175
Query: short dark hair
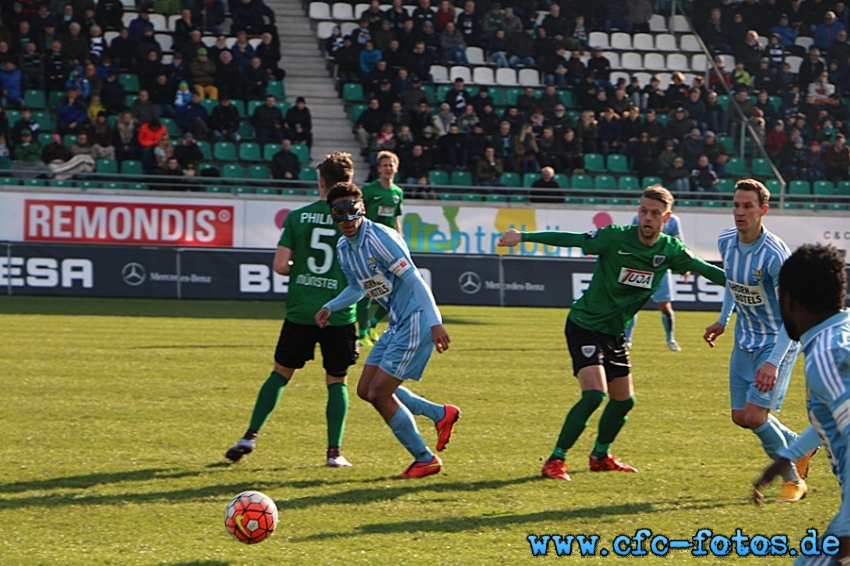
338	167
815	277
659	193
755	186
347	189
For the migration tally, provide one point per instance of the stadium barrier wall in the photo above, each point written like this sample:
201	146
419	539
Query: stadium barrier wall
69	216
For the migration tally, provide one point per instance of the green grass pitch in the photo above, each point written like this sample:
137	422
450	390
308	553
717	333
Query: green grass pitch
116	415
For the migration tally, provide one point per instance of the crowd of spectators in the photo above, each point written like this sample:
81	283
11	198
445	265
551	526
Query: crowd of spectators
61	48
673	132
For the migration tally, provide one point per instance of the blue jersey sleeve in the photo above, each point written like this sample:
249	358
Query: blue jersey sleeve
351	294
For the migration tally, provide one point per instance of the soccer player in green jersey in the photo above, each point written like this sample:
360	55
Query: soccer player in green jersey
307	253
630	265
383	199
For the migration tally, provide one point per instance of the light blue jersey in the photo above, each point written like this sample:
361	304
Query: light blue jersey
752	280
673	227
377	261
827	348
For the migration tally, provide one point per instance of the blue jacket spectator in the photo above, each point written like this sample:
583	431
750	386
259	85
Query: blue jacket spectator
787	34
138	26
827	32
71	115
369	58
10	84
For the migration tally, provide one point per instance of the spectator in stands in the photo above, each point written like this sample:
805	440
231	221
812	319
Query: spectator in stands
82	146
716	153
521	49
767	78
224	121
469	24
188	154
476	142
703	177
382	34
194	118
212	14
492	21
11	82
559	121
810	68
285	165
821	89
644	156
814	163
71	114
467	120
369	58
202	72
837	160
488	172
32	68
570	153
775	142
27	150
443	119
138	25
125	137
453	45
489	120
254	17
775	52
616	12
716	118
610	133
5	154
256	81
840	50
695	108
740	77
554	23
453	150
430	144
242	52
62	162
182	27
109	13
587	132
679	125
369	125
228	77
163	151
143	109
638	14
676	177
422	14
299	123
404	140
546	188
690	149
526	150
715	35
74	44
497	46
189	49
414	171
511	23
677	92
347	60
268	122
57	67
503	144
397	15
458	98
123	50
419	117
620	102
826	33
148	69
102	137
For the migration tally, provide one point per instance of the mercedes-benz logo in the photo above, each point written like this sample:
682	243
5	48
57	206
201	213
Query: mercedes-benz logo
133	274
469	282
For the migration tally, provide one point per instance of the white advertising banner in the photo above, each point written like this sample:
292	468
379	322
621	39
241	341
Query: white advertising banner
429	227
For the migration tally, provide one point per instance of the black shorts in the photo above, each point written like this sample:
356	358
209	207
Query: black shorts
589	348
297	344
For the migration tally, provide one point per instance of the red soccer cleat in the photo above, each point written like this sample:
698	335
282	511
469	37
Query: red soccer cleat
444	427
422	469
609	464
555	470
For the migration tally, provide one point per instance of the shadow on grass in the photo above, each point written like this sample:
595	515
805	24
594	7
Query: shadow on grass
90	480
202	563
503	521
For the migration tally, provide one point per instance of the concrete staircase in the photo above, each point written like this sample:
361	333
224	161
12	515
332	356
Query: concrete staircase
307	76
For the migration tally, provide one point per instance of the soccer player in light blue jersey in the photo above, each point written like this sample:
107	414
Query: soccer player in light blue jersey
813	287
763	355
663	296
376	261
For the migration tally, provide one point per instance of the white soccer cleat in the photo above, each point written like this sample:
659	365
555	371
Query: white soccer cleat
338	462
674	346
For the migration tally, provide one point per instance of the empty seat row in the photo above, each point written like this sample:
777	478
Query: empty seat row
666	42
485	75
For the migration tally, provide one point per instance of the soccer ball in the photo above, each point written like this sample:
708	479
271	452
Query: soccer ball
251	517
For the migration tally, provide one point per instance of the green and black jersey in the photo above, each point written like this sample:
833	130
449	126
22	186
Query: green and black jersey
382	205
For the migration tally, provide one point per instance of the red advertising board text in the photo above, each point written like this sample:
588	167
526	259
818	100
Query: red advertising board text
136	223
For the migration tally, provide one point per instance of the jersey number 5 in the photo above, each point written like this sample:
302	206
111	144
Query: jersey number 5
326	249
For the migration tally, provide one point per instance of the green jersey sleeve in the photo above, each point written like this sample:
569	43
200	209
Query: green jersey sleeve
286	234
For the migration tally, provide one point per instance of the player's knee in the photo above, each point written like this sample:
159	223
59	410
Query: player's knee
628	404
593	398
754	420
363	392
739	419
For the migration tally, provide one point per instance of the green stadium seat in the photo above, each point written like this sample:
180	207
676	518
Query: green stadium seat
232	171
131	167
225	151
649	181
593	200
277	89
309	173
511	96
172	127
69	139
663	119
312	192
605	183
88	185
511	180
471	197
13	116
713	203
267	191
253	105
737	167
438	177
442	91
774	186
462	179
54	99
43	138
529	178
114	185
629	183
496	198
563	180
572	200
352	92
302	151
130	99
823	188
205	148
129	81
726	186
568	99
584	182
723	101
216	189
519	198
209	104
617	163
799	187
106	166
837	206
45	121
138	186
726	142
53	183
844	188
498	96
594	163
761	167
270	150
240	107
35	99
284	106
242	191
356	111
259	172
251	152
687	202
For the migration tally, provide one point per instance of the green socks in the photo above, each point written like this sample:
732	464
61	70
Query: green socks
380	314
612	420
336	412
576	421
267	399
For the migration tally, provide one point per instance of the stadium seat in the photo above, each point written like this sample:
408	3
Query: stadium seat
240	107
528	77
259	172
216	189
342	11
320	11
172	127
483	76
69	139
242	191
461	178
114	185
511	96
617	163
251	152
356	111
794	61
643	42
253	105
232	171
632	61
774	186
438	177
209	104
678	62
130	82
131	167
302	151
599	39
568	98
666	42
506	77
267	191
308	173
270	150
657	23
844	188
225	151
584	182
496	198
621	41
43	138
605	183
106	166
54	99
562	180
699	63
352	92
689	43
737	167
439	73
277	89
460	72
205	148
475	56
654	62
35	99
823	188
629	183
511	180
594	162
726	186
761	167
137	186
529	178
679	24
649	181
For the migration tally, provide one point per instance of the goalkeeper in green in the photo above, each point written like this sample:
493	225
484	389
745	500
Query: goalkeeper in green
631	263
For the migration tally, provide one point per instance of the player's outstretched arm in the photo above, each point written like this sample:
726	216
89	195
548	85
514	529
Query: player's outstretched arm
440	338
510	238
550	238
